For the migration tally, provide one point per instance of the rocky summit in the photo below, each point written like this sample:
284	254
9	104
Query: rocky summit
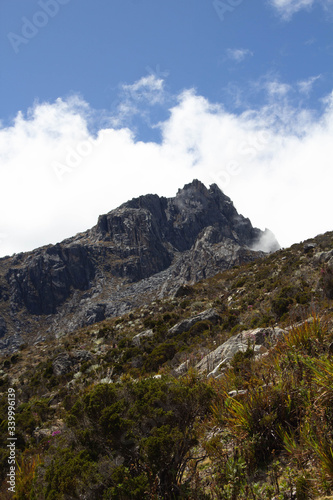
147	248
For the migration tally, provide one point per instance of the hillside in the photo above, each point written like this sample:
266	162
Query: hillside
144	249
223	390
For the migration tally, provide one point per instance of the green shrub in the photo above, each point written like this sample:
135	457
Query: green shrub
326	282
242	363
199	328
6	363
159	355
14	358
70	473
280	306
282	302
127	485
240	282
230	319
150	424
260	416
48	371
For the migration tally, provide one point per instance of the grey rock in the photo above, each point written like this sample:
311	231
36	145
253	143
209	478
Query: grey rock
66	362
143	335
235	393
62	364
309	246
81	355
182	368
94	314
106	380
260	339
323	257
3	327
185	325
48	277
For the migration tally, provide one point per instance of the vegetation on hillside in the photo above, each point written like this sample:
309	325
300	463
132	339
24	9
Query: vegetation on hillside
123	424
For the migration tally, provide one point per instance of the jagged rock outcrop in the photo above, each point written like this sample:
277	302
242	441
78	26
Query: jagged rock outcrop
66	362
324	258
48	277
148	247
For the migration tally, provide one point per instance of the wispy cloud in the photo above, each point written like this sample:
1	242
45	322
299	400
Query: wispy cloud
274	162
134	99
287	8
278	89
148	88
238	55
305	86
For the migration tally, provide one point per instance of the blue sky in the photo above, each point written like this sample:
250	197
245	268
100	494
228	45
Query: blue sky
105	100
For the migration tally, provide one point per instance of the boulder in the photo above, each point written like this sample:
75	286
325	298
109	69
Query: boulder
143	335
208	315
62	364
309	246
65	362
260	339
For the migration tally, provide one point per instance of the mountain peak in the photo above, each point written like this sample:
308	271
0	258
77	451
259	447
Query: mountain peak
193	186
144	249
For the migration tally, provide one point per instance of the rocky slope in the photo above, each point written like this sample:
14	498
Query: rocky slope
257	338
146	248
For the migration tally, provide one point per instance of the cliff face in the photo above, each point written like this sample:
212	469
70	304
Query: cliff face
46	278
144	249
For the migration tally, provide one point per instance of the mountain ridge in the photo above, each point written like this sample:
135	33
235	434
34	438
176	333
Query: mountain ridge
146	248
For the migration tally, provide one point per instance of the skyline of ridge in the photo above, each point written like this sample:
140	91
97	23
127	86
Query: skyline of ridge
104	102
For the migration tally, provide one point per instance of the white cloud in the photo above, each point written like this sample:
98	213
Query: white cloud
276	88
147	85
287	8
136	98
305	86
238	55
56	177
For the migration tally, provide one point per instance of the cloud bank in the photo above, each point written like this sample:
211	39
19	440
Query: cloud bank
57	175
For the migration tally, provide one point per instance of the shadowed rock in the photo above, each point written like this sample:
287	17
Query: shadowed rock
209	315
